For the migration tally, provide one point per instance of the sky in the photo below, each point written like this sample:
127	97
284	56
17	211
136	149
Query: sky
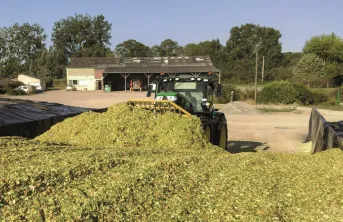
186	21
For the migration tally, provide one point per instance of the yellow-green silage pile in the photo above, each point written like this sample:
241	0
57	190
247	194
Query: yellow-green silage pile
167	173
127	126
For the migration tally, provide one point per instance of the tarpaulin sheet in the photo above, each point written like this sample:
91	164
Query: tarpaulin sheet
324	135
33	119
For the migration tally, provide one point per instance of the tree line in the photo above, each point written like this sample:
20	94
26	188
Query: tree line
23	49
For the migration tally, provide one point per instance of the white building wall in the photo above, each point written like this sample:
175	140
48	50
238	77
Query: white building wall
82	79
27	79
31	81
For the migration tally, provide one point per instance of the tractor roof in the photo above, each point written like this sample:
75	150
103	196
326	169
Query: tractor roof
188	78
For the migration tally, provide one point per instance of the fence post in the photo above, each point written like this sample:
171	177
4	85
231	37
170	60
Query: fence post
338	99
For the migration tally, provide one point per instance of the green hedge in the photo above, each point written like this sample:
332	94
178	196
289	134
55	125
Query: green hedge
13	92
8	86
59	83
285	92
49	82
226	94
281	92
330	92
13	84
247	94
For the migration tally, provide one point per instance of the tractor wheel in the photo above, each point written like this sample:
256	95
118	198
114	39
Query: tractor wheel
220	137
206	124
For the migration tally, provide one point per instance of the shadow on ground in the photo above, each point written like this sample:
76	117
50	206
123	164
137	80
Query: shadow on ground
245	146
53	89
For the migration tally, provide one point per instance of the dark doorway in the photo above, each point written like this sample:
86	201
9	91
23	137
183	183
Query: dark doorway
118	81
98	85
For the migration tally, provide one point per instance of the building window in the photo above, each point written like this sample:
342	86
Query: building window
73	82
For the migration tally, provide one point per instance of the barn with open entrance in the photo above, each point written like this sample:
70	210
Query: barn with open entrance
118	74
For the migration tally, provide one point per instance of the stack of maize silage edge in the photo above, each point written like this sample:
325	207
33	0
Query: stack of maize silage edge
51	182
128	126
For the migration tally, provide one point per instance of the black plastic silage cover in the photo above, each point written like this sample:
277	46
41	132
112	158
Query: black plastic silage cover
33	119
324	135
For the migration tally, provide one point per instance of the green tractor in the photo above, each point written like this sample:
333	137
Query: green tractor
190	96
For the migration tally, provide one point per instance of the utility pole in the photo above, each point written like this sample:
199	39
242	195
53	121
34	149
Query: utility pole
262	68
256	76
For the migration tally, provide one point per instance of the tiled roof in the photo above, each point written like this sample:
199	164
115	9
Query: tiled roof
101	62
175	64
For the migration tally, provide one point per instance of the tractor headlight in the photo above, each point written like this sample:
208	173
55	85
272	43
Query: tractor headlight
159	98
205	103
171	98
199	79
192	79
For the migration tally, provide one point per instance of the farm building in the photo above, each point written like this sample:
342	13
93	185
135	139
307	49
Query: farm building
87	73
116	73
32	80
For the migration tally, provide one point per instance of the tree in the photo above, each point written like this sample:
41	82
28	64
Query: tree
243	42
244	39
96	50
25	42
215	50
155	50
210	48
191	49
82	34
334	72
286	66
132	48
205	48
3	46
221	60
168	48
49	64
328	47
310	69
20	46
9	67
290	59
179	51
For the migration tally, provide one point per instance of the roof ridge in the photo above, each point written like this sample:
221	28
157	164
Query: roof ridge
151	61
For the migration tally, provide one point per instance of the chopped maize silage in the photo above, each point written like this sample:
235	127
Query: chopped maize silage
304	148
124	125
42	182
91	181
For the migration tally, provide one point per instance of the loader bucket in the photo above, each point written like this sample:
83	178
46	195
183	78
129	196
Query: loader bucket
159	106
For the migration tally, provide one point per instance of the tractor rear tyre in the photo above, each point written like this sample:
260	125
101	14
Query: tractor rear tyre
220	137
206	124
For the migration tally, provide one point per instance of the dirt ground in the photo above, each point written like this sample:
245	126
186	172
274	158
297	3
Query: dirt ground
276	132
88	99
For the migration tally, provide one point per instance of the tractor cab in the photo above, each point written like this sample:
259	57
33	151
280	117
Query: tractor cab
189	96
194	94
